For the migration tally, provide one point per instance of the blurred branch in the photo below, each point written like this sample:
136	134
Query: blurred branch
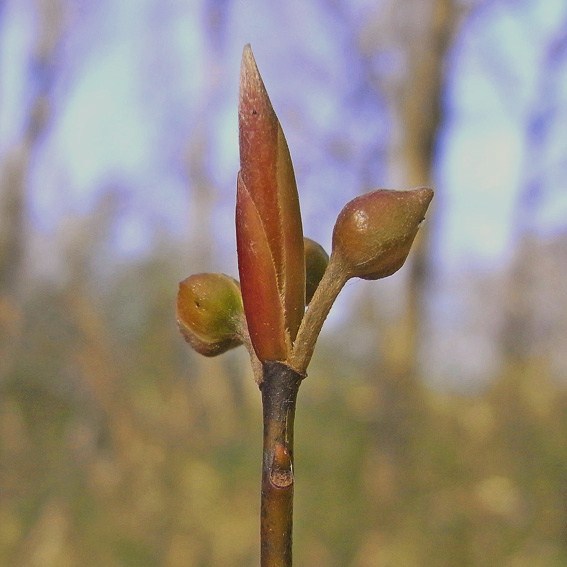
43	68
540	118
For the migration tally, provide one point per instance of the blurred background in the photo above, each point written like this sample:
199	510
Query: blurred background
432	429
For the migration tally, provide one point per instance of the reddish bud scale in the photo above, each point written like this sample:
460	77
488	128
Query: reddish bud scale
262	301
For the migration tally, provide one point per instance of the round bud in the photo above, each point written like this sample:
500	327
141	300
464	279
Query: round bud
374	232
209	312
316	260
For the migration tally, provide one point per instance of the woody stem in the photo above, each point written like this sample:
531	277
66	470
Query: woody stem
279	393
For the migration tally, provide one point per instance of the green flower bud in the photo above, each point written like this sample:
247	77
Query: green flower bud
316	260
374	232
209	312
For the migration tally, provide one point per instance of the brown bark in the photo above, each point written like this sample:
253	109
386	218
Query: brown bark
279	393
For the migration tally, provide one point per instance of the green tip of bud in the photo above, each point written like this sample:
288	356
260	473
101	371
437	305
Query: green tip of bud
316	260
374	232
209	312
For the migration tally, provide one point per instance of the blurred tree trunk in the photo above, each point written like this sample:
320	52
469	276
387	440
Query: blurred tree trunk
415	38
518	333
15	166
422	33
417	100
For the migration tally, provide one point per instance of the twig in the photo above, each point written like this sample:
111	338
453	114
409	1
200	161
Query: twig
279	393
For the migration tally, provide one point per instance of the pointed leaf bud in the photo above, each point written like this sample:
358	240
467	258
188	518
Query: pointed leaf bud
316	260
374	232
269	233
209	312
